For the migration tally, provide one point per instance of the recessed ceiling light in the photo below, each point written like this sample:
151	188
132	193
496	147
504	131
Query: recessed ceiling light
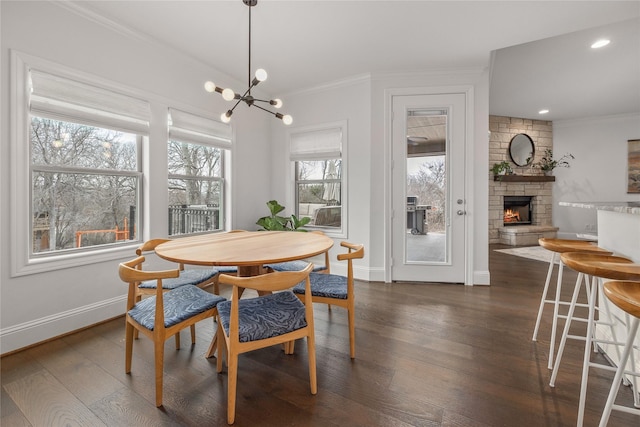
545	111
600	43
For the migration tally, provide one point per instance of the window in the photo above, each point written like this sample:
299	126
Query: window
85	183
196	159
85	174
316	155
76	187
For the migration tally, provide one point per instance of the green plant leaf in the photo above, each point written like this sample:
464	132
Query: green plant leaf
297	223
274	207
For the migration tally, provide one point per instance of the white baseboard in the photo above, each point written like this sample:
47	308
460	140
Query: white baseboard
25	334
481	278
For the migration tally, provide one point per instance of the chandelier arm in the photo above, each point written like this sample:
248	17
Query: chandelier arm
264	109
262	100
235	105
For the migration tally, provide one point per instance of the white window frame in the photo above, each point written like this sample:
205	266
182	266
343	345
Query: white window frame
22	263
312	154
194	129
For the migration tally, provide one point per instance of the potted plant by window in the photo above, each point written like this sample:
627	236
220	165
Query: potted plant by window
547	163
502	168
281	223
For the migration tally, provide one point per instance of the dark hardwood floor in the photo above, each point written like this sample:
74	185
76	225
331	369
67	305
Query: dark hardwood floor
427	355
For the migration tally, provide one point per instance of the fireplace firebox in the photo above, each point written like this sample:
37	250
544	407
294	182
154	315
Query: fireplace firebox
517	210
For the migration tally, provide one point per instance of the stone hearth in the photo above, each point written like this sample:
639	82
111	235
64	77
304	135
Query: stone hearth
524	235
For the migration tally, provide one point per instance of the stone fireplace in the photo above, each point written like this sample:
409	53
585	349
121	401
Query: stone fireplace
527	182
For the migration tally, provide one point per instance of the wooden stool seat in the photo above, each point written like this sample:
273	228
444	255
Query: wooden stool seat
567	245
626	295
600	265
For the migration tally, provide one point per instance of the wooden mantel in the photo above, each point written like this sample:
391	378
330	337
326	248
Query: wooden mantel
524	178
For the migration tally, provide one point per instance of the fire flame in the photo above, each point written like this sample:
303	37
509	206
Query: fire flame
511	216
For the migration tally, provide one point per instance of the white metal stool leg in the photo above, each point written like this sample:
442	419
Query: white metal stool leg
567	325
633	330
543	300
556	312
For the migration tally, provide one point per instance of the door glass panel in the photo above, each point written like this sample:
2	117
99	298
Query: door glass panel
426	168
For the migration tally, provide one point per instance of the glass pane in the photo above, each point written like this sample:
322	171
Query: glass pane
79	210
319	192
426	236
57	143
194	205
320	202
194	160
308	170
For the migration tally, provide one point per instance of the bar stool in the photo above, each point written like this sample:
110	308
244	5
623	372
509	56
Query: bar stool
599	267
626	295
557	247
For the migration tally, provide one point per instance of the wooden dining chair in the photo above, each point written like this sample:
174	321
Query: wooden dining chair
162	315
298	265
200	277
337	290
253	323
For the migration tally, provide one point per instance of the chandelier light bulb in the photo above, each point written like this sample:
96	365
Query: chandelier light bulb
228	94
226	117
287	119
261	75
277	103
210	86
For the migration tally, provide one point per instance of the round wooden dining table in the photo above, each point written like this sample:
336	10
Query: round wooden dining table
248	250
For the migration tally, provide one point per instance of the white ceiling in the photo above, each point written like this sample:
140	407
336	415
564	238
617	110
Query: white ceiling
304	44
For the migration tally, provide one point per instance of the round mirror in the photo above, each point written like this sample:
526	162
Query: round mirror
521	149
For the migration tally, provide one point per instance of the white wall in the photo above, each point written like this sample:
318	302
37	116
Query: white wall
38	306
599	171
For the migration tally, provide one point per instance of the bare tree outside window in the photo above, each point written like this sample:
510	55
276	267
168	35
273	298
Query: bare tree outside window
428	183
195	188
85	184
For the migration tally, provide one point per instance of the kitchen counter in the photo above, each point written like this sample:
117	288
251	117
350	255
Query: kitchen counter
632	208
619	232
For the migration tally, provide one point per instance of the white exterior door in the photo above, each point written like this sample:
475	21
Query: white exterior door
428	178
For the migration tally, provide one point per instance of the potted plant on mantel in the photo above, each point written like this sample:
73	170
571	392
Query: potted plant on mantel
502	168
547	163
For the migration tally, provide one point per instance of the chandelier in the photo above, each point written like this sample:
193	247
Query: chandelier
246	97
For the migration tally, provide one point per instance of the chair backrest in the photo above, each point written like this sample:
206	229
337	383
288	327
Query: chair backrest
130	273
356	250
149	245
276	281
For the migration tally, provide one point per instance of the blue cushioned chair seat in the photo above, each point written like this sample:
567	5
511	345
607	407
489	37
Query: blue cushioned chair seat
190	276
294	266
325	285
265	317
179	304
